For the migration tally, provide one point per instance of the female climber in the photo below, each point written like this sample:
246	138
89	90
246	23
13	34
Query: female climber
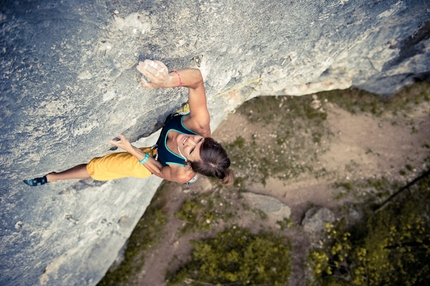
184	148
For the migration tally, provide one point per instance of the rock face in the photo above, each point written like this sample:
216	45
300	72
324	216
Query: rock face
273	208
315	219
68	85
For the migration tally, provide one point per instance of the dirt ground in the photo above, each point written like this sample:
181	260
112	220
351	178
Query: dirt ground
361	146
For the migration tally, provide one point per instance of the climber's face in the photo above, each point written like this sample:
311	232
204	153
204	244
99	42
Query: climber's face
189	146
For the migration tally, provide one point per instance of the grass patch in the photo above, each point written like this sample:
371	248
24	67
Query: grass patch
283	154
301	131
367	190
359	101
202	211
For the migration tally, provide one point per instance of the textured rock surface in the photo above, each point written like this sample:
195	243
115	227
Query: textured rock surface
272	207
68	85
315	218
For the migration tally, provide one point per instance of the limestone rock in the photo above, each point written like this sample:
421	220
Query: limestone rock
315	218
273	208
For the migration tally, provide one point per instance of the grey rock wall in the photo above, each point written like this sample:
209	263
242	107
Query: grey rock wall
68	85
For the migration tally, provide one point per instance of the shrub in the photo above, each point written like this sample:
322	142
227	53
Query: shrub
204	211
237	256
390	247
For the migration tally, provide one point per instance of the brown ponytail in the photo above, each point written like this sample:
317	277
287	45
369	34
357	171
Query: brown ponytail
214	163
228	178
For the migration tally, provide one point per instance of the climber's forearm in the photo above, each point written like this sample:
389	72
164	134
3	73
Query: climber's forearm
188	77
151	164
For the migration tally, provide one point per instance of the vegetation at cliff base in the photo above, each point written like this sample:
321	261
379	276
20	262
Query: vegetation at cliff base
237	257
281	153
388	247
202	211
360	101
